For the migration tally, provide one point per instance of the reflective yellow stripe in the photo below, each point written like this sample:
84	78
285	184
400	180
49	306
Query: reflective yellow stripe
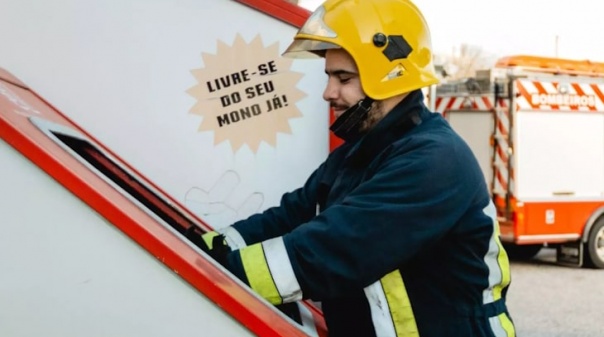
496	260
390	307
258	273
507	325
501	325
504	321
208	238
504	265
400	306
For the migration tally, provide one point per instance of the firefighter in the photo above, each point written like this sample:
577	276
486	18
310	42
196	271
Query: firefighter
395	233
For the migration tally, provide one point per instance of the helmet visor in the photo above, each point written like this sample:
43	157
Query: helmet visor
304	48
310	40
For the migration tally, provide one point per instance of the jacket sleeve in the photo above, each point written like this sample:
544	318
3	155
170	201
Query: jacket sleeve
415	196
295	208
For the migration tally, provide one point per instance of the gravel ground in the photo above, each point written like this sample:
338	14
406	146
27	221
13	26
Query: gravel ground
550	300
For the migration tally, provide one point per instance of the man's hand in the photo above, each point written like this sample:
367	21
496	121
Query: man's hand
211	243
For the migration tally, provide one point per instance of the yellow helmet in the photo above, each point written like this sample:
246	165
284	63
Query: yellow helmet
388	39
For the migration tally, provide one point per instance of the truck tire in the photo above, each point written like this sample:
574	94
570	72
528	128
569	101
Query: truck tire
594	247
521	252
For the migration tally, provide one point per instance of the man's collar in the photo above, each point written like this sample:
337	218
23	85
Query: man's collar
411	111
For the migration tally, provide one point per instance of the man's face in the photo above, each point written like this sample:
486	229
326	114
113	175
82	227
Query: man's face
343	88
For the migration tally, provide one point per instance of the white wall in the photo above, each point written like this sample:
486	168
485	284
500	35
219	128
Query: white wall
121	69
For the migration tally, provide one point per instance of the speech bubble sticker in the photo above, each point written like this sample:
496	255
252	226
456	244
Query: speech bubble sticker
246	93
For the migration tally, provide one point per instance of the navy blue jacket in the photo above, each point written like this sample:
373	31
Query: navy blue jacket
395	234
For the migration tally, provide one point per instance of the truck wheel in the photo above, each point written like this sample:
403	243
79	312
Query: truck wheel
521	252
594	247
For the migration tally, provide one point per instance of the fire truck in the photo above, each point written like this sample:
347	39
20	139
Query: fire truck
536	126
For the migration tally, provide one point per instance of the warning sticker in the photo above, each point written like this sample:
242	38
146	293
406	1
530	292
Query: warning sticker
246	93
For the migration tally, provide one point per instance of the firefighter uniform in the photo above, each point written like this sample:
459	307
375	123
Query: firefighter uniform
395	233
405	241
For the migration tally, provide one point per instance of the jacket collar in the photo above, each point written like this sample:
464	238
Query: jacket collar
408	113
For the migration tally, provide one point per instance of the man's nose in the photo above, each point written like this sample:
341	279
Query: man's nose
330	93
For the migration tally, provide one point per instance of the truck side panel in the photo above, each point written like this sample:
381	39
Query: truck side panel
476	128
553	221
558	154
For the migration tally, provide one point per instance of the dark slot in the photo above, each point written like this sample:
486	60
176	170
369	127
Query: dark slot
127	182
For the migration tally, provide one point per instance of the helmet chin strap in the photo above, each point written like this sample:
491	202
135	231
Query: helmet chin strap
348	125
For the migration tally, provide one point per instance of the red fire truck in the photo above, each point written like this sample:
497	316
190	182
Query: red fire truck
536	125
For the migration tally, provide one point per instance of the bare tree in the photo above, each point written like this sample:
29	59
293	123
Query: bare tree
464	61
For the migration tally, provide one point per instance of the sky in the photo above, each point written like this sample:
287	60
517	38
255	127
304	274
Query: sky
554	28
